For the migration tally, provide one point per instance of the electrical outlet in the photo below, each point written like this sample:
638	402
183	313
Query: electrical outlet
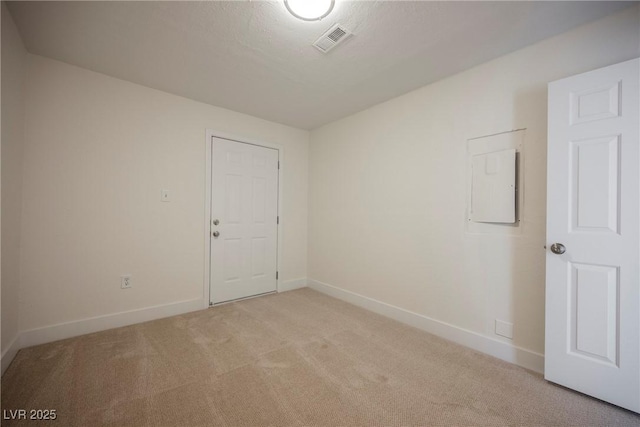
125	281
504	329
165	196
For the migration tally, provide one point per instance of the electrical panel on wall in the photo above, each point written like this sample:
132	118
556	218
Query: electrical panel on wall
493	187
495	183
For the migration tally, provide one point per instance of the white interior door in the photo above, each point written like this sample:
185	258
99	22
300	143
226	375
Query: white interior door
593	289
244	220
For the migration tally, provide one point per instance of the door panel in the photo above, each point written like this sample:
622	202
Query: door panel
232	196
259	202
244	201
592	339
595	177
594	312
596	104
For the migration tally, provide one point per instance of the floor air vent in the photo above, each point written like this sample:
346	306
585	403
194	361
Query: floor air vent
331	38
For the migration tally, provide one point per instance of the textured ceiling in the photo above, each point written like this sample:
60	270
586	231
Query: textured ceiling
255	58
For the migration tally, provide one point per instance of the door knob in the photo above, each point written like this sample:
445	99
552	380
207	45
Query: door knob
216	233
558	248
216	222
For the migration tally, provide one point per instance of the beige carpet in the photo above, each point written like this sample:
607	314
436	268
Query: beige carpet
297	358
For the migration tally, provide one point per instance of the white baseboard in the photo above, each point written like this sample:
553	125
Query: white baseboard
502	350
10	352
290	285
95	324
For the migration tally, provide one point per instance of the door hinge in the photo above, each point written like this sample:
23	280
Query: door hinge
278	164
276	275
278	220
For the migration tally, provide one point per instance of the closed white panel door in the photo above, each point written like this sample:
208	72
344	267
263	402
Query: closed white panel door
244	220
593	240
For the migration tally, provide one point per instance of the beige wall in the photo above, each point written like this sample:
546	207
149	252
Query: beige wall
13	69
387	194
388	188
98	150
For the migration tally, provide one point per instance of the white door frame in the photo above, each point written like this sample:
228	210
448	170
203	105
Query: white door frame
210	134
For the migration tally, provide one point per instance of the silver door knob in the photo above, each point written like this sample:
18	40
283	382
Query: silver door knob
558	248
215	233
216	222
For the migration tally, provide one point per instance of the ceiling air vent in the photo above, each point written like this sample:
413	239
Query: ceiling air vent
332	37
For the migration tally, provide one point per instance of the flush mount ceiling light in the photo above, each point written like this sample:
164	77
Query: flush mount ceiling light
309	10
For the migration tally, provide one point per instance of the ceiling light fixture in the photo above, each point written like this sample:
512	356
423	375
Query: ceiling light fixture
310	10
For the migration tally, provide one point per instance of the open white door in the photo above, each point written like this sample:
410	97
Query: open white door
244	220
593	239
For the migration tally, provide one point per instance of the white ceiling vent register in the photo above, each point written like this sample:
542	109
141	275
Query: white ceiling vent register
332	37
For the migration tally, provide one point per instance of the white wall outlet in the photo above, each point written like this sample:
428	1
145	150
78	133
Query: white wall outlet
504	329
165	196
125	281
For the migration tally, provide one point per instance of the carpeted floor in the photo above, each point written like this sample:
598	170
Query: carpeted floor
296	358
